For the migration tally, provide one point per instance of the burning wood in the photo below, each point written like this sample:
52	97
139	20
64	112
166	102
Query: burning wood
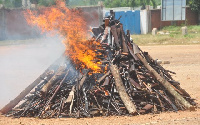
130	83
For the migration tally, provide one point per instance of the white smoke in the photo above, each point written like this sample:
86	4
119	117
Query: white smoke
21	64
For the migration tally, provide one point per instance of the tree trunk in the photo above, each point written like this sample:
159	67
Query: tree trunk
121	89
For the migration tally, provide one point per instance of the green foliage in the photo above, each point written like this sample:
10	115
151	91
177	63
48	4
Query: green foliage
158	2
194	4
116	3
130	3
194	28
189	36
171	28
107	3
143	3
121	3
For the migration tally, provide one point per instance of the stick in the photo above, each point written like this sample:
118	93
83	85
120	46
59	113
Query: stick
103	77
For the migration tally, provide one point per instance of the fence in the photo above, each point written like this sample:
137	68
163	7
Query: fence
93	15
191	19
13	24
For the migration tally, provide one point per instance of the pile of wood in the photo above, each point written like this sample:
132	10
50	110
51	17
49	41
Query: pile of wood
131	83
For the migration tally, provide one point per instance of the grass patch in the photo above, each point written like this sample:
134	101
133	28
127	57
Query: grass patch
171	35
171	28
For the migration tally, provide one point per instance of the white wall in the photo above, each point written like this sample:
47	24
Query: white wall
144	21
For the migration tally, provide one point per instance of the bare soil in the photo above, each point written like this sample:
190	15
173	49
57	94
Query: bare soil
184	60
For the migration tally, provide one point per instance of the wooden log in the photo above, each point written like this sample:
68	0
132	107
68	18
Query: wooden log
82	81
107	22
166	84
125	48
52	81
132	52
15	101
114	32
103	77
128	35
121	89
135	83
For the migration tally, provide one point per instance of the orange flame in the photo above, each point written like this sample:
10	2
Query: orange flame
69	24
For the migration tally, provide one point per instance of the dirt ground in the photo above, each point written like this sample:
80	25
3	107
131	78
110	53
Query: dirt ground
184	60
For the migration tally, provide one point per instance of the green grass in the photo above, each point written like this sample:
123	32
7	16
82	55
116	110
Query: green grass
171	35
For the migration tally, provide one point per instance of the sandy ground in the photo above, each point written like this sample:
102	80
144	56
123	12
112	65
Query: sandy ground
185	61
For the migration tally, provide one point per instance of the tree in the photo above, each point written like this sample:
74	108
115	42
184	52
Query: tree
130	3
143	3
116	3
194	4
120	3
134	3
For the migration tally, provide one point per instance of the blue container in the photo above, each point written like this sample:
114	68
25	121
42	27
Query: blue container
129	19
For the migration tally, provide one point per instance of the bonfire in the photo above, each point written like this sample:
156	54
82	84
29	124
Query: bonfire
99	75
